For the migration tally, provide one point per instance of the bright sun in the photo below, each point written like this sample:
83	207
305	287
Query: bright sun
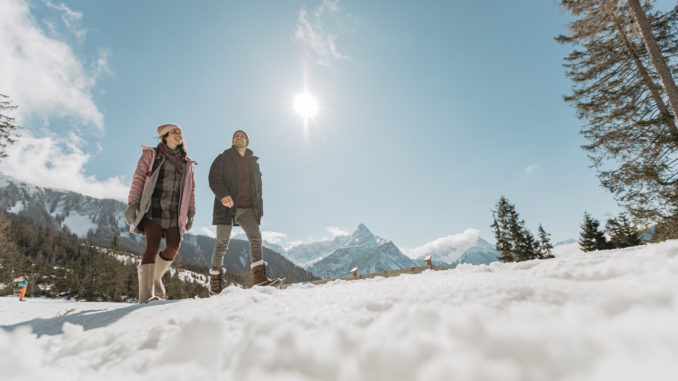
306	106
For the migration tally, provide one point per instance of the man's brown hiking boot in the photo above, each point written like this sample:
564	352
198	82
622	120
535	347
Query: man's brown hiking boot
259	277
217	280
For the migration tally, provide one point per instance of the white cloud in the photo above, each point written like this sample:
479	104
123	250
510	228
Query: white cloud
294	244
41	74
55	162
310	31
101	66
531	168
335	231
210	231
275	238
70	18
462	240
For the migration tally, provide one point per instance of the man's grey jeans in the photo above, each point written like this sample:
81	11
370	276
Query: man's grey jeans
248	222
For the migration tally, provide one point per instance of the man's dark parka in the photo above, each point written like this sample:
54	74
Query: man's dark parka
224	178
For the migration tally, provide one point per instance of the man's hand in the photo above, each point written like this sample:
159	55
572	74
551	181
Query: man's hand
227	202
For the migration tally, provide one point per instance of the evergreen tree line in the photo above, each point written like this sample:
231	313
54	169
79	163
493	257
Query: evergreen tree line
59	264
620	230
515	242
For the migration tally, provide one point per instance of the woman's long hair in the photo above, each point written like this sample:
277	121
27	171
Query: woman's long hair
182	146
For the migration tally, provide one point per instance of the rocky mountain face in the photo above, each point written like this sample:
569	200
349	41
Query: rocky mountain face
102	223
82	215
362	250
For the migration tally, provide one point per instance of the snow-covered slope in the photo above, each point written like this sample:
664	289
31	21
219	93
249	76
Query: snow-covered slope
596	316
60	209
366	252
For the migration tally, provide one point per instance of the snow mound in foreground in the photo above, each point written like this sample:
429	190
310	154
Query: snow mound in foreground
597	316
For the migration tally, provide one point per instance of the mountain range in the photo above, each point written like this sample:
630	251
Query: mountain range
101	221
337	256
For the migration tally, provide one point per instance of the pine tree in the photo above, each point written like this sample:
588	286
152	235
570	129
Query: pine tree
622	233
631	133
545	248
514	242
501	226
591	238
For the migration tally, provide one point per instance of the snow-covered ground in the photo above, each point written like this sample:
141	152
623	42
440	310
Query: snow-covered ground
597	316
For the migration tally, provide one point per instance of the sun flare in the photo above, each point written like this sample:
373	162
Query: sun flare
306	106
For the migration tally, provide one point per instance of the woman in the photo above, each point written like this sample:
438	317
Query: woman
161	203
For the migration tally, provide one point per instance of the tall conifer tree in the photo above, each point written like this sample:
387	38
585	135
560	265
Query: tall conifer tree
631	133
502	216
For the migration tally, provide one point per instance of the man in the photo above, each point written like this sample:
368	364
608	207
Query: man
235	179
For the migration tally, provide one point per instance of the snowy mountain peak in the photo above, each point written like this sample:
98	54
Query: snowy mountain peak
365	251
458	247
362	236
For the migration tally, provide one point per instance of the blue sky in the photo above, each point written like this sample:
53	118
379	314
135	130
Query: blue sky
428	111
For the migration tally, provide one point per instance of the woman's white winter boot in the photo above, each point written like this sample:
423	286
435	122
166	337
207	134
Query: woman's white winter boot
160	268
145	274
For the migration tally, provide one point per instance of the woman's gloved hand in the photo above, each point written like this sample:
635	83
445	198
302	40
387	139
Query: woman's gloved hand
132	212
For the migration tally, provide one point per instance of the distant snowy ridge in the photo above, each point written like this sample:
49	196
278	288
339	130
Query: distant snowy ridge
366	252
303	254
81	214
565	242
448	252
